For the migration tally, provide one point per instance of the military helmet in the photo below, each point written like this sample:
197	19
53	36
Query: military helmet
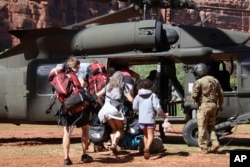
200	70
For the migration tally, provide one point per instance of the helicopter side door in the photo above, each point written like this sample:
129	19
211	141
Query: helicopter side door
40	90
13	89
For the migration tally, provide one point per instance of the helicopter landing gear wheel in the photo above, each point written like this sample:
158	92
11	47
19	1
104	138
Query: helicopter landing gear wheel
190	133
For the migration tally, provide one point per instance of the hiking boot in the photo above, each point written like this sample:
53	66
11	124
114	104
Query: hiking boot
113	149
67	162
86	158
203	150
146	153
214	149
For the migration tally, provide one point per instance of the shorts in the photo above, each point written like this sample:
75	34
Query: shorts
76	119
146	126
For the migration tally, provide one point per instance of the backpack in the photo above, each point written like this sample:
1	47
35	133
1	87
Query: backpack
155	147
97	77
77	102
68	91
65	83
99	133
129	141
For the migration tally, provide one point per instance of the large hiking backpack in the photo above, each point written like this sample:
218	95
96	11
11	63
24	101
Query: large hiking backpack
68	91
97	77
64	82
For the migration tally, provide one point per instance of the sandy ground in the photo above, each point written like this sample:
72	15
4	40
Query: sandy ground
40	146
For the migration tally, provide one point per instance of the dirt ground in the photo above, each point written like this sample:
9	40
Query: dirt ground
40	146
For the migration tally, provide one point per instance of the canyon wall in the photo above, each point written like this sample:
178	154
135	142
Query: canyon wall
32	14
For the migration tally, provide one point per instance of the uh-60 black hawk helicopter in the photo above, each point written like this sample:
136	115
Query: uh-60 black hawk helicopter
25	91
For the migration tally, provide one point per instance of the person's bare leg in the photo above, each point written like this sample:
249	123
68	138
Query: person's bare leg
66	142
85	144
113	150
150	138
119	132
113	127
85	138
145	138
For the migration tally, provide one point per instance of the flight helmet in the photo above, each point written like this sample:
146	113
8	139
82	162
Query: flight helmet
200	70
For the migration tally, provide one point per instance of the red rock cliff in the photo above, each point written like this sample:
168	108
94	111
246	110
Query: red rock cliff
30	14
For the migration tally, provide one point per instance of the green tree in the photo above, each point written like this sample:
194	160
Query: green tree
144	71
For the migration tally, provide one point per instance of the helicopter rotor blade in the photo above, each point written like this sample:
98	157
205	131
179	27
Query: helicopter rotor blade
134	10
13	51
36	33
118	16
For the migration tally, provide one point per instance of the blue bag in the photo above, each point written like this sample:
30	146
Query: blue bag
130	141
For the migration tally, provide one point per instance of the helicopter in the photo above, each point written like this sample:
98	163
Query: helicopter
25	91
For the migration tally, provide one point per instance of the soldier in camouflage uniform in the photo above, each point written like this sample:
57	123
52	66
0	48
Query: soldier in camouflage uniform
208	94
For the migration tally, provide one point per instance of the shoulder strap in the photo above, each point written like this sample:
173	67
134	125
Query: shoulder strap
124	87
52	102
99	67
74	79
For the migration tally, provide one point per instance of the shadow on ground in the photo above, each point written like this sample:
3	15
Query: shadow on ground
168	140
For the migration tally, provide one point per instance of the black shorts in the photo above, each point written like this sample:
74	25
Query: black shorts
77	119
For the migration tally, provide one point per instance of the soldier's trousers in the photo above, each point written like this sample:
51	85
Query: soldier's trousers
206	119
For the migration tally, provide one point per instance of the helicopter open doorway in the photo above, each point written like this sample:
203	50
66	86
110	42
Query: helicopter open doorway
232	70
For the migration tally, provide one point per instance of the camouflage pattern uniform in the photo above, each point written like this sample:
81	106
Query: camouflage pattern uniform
208	94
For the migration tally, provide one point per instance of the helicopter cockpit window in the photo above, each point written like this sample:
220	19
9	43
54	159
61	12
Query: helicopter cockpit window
245	73
43	85
218	70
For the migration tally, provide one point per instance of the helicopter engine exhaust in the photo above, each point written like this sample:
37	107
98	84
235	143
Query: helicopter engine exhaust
97	39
